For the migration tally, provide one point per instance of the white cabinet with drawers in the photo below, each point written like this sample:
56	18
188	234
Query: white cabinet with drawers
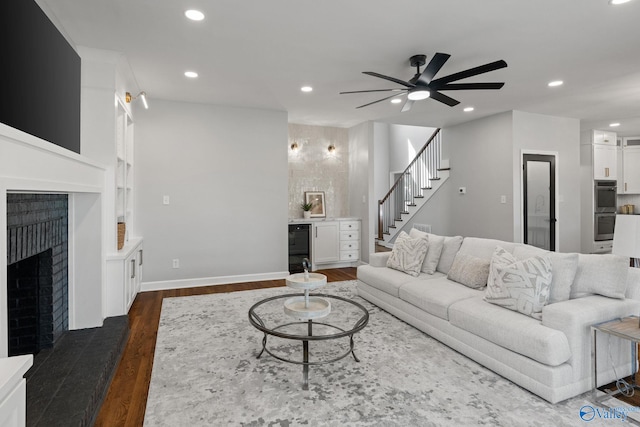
335	243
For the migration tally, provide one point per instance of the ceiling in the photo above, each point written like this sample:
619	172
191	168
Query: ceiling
257	53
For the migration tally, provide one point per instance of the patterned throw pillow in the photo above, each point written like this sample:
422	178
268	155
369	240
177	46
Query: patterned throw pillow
407	254
521	286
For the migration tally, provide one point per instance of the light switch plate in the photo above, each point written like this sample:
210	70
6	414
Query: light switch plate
165	200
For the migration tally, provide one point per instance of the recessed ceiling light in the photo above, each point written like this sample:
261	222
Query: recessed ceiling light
617	2
614	125
306	88
556	83
194	15
468	109
396	101
191	74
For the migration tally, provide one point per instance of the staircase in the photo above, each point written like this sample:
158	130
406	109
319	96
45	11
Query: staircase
412	190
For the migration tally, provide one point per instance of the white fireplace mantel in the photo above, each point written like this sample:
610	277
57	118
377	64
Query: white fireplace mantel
30	164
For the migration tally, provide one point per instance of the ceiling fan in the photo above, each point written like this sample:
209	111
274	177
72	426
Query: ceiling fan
423	86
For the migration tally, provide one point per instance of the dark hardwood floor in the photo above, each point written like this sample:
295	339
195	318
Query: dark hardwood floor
126	399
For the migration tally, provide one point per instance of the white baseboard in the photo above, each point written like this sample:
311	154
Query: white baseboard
211	281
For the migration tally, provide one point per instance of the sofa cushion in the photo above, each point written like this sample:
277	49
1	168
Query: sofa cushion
408	254
469	270
601	274
484	248
519	285
384	279
436	243
511	330
563	266
435	296
449	250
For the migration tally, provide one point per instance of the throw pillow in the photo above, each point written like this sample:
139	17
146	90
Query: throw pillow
436	243
564	266
408	254
501	258
449	251
469	270
522	286
601	274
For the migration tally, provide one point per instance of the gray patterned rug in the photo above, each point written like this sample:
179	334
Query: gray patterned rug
205	373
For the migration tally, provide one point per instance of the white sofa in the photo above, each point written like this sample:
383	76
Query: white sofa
550	357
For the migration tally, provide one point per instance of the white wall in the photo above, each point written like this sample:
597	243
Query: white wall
382	153
225	171
480	157
485	157
313	168
362	203
537	133
404	143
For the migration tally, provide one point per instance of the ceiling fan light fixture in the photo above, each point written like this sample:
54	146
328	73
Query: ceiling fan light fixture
194	15
614	125
555	83
306	89
468	109
418	94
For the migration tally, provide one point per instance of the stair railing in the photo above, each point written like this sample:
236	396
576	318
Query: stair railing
416	178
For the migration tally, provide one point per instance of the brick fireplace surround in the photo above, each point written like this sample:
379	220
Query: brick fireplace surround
37	276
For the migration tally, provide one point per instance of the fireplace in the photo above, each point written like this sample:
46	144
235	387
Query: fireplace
37	271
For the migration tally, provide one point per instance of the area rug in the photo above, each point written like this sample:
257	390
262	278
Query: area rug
205	373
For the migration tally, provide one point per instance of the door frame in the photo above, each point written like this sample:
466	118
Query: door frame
558	197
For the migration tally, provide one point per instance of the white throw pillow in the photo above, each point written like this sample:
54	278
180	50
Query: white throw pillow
449	252
601	274
469	270
564	266
408	254
436	243
521	286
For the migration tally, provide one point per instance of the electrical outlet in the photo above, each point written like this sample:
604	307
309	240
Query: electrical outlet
165	200
176	263
503	199
462	190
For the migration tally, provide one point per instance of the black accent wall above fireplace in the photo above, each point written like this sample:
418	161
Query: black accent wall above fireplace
39	76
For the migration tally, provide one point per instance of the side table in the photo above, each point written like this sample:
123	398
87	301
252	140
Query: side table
627	328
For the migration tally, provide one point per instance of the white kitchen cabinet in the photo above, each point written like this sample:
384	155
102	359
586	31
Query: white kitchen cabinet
349	240
603	137
631	170
335	244
605	162
326	242
125	272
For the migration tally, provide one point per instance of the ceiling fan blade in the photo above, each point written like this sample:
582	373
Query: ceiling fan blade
468	86
407	106
391	79
444	99
375	90
379	100
469	73
433	67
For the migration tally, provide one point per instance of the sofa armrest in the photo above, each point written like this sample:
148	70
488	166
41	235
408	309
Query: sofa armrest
379	259
576	316
633	284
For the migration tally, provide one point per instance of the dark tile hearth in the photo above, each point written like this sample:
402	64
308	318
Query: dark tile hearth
67	383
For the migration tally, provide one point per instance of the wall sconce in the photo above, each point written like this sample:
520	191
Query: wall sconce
332	149
141	95
294	147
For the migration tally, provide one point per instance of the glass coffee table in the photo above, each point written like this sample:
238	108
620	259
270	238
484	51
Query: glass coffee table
331	333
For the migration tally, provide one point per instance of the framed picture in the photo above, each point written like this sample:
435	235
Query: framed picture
316	198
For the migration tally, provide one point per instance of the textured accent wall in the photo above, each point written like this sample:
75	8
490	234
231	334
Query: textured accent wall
313	168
